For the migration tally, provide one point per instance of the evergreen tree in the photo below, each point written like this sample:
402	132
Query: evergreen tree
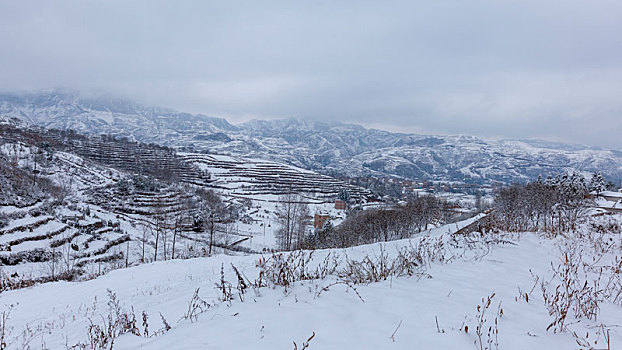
598	183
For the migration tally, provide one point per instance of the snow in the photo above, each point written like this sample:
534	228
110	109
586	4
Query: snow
11	209
46	228
607	204
28	220
405	307
55	314
611	194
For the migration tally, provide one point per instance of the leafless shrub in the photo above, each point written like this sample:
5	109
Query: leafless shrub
101	336
487	333
243	283
224	286
527	295
145	324
166	326
5	329
613	288
554	206
408	262
283	269
368	270
611	226
395	331
587	275
593	343
305	345
196	306
382	225
350	286
571	294
434	250
4	220
380	267
597	242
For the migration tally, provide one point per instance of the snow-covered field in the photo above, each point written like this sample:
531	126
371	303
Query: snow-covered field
253	185
434	308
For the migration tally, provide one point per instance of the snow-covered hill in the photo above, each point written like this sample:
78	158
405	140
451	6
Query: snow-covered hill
439	302
95	204
326	147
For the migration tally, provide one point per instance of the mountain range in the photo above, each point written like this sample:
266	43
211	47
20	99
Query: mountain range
328	147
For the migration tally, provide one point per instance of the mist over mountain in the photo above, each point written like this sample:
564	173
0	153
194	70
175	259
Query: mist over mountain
329	147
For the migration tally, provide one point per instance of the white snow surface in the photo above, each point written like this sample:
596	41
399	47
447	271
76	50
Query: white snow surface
399	313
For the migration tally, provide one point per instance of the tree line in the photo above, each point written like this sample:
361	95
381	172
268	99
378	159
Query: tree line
383	224
553	205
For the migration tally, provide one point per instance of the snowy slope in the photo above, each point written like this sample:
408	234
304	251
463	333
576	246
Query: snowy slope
428	310
243	176
114	223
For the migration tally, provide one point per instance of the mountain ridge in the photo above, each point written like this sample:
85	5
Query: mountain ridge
331	147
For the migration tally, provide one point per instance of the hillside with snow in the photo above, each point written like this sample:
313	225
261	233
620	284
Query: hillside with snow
436	290
77	207
110	243
324	147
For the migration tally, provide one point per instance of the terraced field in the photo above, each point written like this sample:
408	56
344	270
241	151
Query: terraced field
251	177
45	246
95	222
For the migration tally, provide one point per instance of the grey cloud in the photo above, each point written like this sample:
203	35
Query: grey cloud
526	68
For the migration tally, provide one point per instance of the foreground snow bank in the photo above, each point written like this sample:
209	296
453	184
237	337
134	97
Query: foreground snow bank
435	308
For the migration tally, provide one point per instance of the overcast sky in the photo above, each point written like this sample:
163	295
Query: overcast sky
527	68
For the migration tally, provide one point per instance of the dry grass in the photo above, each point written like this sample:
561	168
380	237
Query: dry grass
305	345
486	332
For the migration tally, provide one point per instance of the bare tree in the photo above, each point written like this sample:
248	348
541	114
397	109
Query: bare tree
386	224
51	266
146	232
163	225
67	255
159	222
212	212
554	205
176	229
292	216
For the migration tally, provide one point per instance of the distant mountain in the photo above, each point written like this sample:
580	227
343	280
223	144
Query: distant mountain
327	147
63	110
